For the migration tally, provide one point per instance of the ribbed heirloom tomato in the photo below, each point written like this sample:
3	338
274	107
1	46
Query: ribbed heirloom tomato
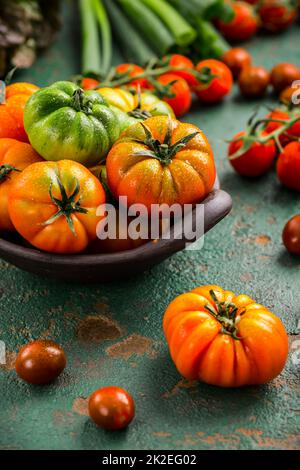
161	161
53	206
224	339
15	156
12	110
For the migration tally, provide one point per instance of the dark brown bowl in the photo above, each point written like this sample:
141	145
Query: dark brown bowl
108	267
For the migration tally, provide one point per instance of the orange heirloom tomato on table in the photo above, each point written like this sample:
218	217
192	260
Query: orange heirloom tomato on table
217	81
15	156
53	206
161	161
224	339
12	110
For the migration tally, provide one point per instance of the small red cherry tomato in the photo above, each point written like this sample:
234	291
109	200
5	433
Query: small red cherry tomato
290	134
255	161
288	166
253	81
40	362
112	408
133	70
89	83
237	59
244	24
291	235
184	67
181	100
283	75
220	83
277	15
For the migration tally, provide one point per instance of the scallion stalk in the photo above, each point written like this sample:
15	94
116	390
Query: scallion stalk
182	31
105	34
151	28
91	52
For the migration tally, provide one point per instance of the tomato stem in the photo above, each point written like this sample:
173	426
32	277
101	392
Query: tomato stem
5	170
66	205
225	313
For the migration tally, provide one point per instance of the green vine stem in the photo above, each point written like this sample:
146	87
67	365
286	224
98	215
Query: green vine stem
225	313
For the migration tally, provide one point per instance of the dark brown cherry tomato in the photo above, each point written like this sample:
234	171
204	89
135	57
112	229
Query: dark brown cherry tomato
291	235
277	15
237	59
253	81
283	75
244	24
290	96
112	408
40	362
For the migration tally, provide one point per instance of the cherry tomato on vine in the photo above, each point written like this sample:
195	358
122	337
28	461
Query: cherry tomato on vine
244	24
112	408
277	15
288	166
184	67
133	71
219	81
88	83
237	59
283	75
181	100
255	161
290	134
291	235
253	81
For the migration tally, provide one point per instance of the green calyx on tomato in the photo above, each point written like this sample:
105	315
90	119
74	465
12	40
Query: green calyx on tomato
164	152
67	205
225	313
5	171
64	122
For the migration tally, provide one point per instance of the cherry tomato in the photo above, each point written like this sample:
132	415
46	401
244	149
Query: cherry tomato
184	67
237	59
89	83
244	24
254	162
254	81
112	408
291	235
133	71
290	134
283	75
277	15
40	362
288	166
182	99
291	96
219	86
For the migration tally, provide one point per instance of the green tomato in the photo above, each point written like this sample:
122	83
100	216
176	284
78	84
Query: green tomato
65	123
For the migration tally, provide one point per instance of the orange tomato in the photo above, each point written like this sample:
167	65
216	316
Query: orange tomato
53	206
161	161
12	110
224	339
15	156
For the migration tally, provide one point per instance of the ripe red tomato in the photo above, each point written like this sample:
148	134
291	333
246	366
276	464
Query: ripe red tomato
112	408
219	86
244	24
184	67
283	75
255	161
133	71
277	15
182	99
290	134
288	166
253	81
89	83
291	235
237	59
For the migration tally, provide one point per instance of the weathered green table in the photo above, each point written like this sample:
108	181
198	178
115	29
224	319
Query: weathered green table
112	333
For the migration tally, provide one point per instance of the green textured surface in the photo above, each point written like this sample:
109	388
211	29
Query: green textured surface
243	253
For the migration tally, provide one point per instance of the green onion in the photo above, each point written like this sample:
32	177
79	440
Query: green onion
105	33
149	25
134	47
182	31
91	53
209	42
